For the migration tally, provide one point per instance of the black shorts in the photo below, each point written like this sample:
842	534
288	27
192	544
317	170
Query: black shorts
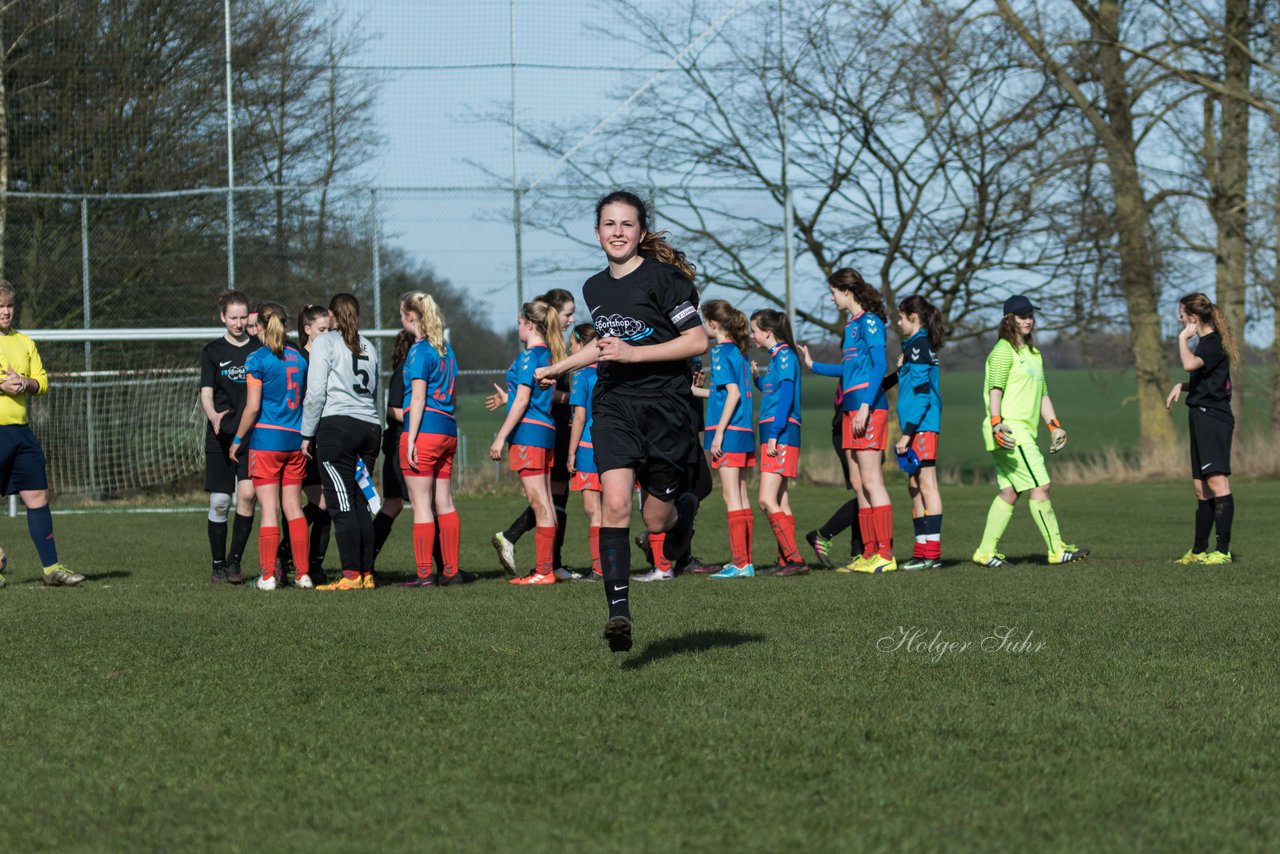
312	477
652	433
393	485
220	473
21	460
1210	435
562	417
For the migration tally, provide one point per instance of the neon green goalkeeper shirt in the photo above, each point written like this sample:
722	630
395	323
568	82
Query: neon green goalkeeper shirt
1020	374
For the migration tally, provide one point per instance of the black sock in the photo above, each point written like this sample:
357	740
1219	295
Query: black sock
615	561
218	541
523	524
562	516
1204	524
321	523
841	519
1224	511
381	530
240	530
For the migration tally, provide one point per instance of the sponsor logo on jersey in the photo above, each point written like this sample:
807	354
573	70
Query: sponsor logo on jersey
618	326
236	374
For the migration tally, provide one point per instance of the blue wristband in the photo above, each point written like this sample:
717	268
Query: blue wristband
235	440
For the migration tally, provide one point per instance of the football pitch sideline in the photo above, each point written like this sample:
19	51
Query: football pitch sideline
1123	702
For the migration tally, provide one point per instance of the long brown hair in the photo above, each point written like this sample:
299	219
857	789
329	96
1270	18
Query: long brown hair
730	319
654	244
1198	306
1009	332
346	319
306	317
776	322
430	322
546	320
585	333
930	318
850	281
274	319
400	349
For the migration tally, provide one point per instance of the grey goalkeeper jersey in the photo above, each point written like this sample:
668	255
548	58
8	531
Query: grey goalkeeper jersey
340	382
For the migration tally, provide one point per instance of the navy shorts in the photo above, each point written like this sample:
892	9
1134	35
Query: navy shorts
21	460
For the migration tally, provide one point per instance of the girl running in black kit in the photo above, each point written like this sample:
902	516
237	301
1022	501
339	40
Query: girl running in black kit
1211	423
645	308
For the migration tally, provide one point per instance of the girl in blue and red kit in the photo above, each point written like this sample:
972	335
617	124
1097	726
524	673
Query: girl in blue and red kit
276	380
866	413
531	431
729	434
779	434
920	414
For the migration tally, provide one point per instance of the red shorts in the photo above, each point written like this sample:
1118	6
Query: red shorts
528	461
874	437
435	455
925	444
286	467
735	460
786	463
585	480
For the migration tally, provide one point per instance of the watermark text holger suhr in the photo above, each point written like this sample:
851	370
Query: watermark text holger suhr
935	645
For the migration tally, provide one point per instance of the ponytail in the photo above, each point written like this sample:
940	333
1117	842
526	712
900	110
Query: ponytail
273	319
775	322
930	318
546	321
346	320
730	319
1198	306
430	323
585	333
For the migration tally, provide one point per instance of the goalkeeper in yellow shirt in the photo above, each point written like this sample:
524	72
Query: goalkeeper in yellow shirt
22	467
1017	397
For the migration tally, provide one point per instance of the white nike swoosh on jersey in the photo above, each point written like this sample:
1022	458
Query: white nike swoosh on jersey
223	364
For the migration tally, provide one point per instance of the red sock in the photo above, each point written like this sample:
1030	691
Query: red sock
786	539
656	542
593	543
300	544
449	528
424	543
867	529
268	545
740	537
883	523
791	534
544	549
750	518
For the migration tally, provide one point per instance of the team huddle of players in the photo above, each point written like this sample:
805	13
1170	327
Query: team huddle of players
618	406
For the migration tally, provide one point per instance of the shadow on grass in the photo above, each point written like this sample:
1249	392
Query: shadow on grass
699	641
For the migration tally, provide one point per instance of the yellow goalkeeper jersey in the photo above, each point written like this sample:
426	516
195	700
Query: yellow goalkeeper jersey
18	355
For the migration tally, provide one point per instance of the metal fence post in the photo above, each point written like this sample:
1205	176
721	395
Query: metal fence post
377	269
86	296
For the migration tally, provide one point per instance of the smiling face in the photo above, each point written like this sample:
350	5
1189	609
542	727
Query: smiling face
236	319
619	232
761	337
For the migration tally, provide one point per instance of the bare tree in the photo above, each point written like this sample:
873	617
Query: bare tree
919	152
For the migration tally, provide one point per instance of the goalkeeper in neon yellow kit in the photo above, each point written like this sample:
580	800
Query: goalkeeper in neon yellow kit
1017	396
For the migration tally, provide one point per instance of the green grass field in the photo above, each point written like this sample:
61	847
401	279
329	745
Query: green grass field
153	711
1099	409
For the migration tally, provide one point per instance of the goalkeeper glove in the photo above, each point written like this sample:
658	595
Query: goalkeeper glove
1002	434
1059	436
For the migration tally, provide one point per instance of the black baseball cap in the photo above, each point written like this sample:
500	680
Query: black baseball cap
1018	304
